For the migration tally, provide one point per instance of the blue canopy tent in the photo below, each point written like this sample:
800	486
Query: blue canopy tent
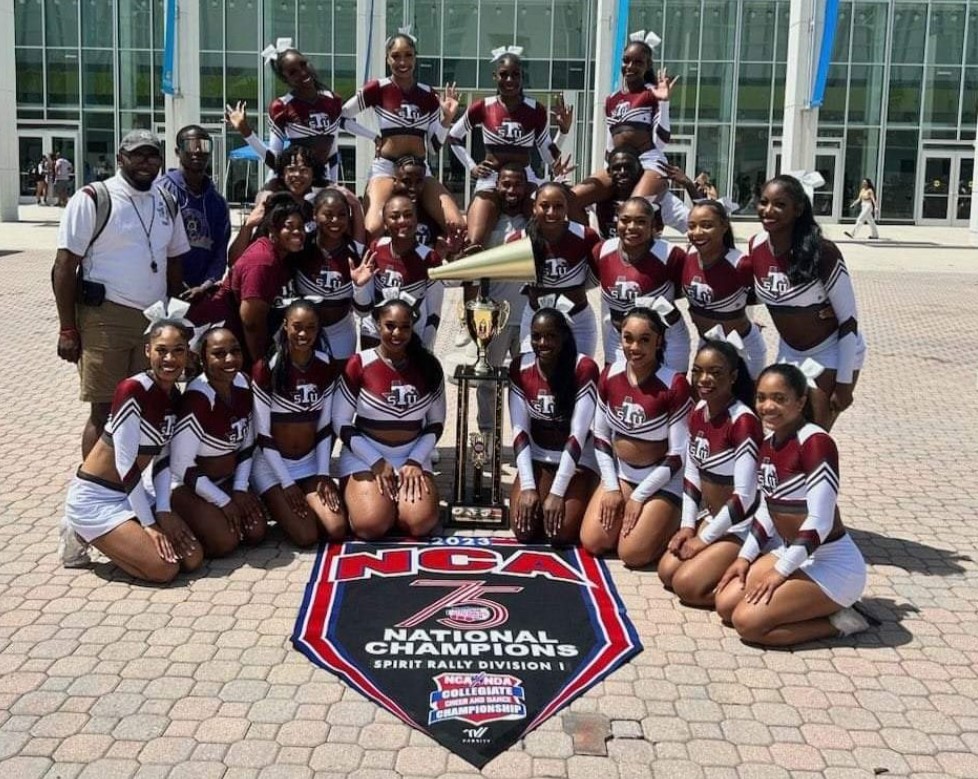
248	157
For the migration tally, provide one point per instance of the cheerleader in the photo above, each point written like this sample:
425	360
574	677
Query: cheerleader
411	116
638	264
718	282
397	264
637	116
212	448
720	482
293	412
552	396
512	126
323	271
803	280
640	433
107	505
389	411
562	252
798	573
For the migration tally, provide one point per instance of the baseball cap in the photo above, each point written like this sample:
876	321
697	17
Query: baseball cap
138	139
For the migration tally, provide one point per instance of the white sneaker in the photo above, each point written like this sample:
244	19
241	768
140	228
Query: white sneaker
71	549
435	457
848	622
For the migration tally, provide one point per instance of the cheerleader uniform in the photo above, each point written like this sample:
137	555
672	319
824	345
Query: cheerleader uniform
722	292
373	393
306	396
722	450
326	274
801	476
540	434
141	422
640	111
656	410
414	112
564	266
407	273
844	351
658	274
504	132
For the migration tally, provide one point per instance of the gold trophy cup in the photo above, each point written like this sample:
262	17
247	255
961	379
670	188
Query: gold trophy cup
484	318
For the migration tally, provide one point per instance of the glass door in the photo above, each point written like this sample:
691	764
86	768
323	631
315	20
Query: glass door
827	200
935	193
31	148
679	152
964	190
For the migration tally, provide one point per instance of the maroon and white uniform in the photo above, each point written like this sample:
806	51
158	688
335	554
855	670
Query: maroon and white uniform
141	423
326	274
801	476
540	433
373	393
640	111
655	410
565	265
844	350
503	131
722	450
292	395
398	273
414	112
209	426
606	213
657	274
722	292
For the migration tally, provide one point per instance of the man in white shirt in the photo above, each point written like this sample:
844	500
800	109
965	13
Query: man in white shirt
63	171
102	283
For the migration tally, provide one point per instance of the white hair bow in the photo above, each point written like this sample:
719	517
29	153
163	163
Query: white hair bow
649	38
406	32
314	299
809	368
170	308
199	333
810	180
396	293
716	333
498	53
660	306
271	51
560	303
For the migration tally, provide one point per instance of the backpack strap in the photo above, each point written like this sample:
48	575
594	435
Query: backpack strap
171	202
99	193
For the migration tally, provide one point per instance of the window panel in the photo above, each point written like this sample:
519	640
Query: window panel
279	20
682	103
681	32
862	150
971	55
909	31
777	96
315	30
750	164
241	78
716	90
866	94
462	72
497	27
344	27
834	107
97	78
719	31
781	35
135	79
843	34
135	120
869	32
757	28
754	92
429	70
461	23
96	24
942	84
567	74
904	97
536	74
61	23
242	26
534	19
27	23
30	76
713	152
899	174
135	24
946	34
427	18
969	109
345	81
569	37
62	67
212	88
212	22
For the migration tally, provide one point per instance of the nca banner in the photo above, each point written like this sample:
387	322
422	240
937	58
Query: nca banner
474	641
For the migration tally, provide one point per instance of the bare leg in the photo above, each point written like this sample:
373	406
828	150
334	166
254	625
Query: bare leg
371	514
206	521
94	425
594	188
576	500
379	190
482	215
652	183
798	611
131	548
594	537
821	395
535	532
333	523
657	523
303	531
696	580
438	202
419	517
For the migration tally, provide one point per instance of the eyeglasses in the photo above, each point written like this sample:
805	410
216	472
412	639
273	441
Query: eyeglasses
143	154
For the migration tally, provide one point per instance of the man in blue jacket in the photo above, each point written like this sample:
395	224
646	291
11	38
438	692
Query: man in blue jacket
205	212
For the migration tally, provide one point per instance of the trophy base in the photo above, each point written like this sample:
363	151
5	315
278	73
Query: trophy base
475	516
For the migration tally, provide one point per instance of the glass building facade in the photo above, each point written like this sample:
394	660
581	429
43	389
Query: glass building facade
901	105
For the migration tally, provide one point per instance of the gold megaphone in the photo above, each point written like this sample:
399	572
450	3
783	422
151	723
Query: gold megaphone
513	261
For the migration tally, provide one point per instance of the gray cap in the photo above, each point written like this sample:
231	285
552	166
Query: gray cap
138	139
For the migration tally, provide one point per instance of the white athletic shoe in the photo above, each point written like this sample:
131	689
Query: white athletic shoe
848	622
71	549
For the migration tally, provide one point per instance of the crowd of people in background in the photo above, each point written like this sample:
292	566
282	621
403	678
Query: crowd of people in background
311	330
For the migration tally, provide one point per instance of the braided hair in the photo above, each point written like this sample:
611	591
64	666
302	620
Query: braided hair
806	236
562	379
278	358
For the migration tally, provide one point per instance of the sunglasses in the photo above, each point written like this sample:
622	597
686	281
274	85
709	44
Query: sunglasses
195	144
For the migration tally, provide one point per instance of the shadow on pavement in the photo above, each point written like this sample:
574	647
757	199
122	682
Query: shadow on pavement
909	555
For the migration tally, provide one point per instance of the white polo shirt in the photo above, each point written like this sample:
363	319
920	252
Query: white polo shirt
138	232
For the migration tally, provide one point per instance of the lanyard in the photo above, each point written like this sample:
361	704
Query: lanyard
147	231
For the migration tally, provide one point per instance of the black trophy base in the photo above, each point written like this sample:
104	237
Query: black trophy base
475	516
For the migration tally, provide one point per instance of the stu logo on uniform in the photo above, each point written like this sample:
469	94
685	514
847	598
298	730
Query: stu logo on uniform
767	476
318	121
624	290
618	114
544	403
776	282
555	268
409	111
306	394
699	292
699	447
390	279
169	422
239	430
330	280
510	130
631	413
402	396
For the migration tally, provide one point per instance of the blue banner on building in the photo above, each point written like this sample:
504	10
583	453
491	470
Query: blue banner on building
169	46
829	24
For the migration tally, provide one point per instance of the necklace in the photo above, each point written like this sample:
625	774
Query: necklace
147	231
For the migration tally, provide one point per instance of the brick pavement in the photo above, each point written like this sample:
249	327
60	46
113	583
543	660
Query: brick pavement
100	677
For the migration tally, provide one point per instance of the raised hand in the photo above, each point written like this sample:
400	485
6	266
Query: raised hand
562	168
237	117
361	274
561	114
663	86
448	100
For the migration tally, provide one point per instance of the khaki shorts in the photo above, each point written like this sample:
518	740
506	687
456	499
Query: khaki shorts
113	348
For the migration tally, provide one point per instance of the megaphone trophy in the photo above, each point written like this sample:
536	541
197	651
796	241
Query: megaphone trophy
484	319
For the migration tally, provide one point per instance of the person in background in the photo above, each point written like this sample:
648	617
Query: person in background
705	187
63	171
41	180
205	212
868	208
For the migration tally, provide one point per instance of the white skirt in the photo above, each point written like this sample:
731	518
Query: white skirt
263	478
395	455
672	490
384	168
552	457
825	354
740	531
653	159
838	568
92	509
341	337
489	182
583	325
